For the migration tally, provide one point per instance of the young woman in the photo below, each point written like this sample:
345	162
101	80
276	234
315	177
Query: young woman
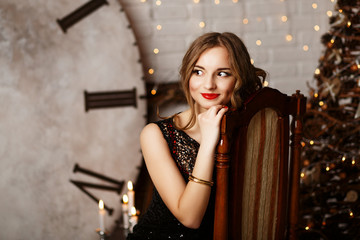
216	73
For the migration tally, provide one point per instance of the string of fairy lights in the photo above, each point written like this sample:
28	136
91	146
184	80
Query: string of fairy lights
201	24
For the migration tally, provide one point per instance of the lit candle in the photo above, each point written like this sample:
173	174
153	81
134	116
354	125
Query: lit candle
125	210
133	219
102	216
131	196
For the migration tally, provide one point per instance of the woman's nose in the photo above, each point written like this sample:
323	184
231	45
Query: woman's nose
210	82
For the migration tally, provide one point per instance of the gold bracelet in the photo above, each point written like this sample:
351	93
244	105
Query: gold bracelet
198	180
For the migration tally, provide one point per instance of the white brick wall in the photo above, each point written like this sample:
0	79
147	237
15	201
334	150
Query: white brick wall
288	65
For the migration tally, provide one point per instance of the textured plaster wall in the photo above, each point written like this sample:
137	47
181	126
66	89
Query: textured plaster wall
44	129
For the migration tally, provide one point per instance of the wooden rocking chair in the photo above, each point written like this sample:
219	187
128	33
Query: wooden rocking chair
257	181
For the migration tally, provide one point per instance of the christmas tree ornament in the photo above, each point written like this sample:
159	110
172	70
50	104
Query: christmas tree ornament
351	196
330	86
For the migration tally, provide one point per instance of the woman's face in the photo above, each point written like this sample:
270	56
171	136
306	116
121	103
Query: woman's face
212	82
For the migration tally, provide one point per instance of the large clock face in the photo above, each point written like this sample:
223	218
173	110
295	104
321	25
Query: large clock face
44	127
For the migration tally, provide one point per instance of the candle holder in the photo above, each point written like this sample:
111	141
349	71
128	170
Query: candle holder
103	235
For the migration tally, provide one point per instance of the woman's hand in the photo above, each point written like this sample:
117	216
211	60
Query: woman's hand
209	123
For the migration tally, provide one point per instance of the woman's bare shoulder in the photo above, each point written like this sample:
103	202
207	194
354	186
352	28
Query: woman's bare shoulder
151	134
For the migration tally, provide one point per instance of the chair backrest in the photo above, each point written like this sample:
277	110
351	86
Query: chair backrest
257	180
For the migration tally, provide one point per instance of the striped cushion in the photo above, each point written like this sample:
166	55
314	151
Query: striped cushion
261	177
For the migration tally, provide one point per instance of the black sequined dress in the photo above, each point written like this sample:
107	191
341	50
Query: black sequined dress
158	222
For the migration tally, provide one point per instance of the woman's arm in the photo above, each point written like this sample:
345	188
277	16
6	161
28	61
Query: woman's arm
187	202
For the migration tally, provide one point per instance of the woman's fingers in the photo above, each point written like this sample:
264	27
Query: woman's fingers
219	111
213	115
216	109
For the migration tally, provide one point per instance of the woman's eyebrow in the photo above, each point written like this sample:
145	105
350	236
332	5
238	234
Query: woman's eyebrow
197	66
225	68
221	68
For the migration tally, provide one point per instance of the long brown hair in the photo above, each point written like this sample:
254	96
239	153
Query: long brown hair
248	77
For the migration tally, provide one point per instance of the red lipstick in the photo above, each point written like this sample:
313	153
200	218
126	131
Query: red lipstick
210	96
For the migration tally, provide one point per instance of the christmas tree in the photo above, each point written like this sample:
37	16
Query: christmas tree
330	177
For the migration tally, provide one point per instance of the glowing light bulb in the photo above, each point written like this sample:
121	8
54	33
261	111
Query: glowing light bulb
252	61
235	1
266	83
156	50
245	21
284	18
151	71
351	214
289	38
317	28
159	27
327	168
329	13
321	103
258	42
217	2
307	228
343	158
353	162
311	142
348	24
302	175
306	48
202	24
314	6
196	1
158	2
316	95
317	71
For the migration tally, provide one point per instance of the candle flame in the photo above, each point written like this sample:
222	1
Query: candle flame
101	204
130	185
133	211
125	199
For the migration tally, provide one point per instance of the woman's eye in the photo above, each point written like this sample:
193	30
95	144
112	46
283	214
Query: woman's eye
198	72
224	74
